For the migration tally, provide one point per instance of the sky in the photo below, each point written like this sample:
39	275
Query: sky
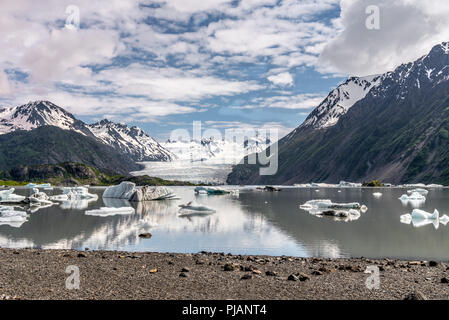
163	64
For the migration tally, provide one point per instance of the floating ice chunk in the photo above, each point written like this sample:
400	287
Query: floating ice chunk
414	196
9	196
105	211
377	194
149	193
193	206
328	204
406	218
435	186
124	190
421	191
211	190
78	193
38	198
59	197
444	219
344	184
421	214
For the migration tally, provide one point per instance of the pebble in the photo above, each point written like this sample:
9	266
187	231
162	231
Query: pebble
183	275
185	269
145	235
271	273
246	277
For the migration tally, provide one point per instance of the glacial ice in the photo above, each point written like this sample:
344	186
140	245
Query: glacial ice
78	193
193	206
38	198
128	191
9	196
420	218
341	211
421	191
106	212
377	194
414	196
210	190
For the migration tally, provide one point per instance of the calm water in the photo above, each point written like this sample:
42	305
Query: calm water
252	222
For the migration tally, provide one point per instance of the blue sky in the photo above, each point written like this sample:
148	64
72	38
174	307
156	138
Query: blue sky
228	63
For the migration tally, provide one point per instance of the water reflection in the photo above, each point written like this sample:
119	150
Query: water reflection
252	223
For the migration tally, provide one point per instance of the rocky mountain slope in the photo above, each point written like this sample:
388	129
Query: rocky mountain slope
52	145
399	132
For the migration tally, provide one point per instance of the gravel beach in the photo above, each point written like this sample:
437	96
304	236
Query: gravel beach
41	274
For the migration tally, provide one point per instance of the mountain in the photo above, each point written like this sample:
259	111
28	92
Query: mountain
131	141
52	145
36	114
398	132
215	150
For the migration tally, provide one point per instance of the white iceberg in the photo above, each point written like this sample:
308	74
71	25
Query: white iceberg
415	196
128	191
328	204
421	214
421	191
38	198
211	190
78	193
193	206
105	211
9	196
377	195
344	184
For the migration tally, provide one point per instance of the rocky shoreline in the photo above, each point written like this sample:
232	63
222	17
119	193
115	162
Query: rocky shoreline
41	274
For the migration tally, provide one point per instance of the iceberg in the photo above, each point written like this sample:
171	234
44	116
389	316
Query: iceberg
421	214
210	190
415	196
128	191
421	191
38	198
193	206
420	218
106	212
148	193
340	211
8	196
328	204
444	220
344	184
78	193
377	194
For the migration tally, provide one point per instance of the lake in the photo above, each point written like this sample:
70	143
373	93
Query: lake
251	222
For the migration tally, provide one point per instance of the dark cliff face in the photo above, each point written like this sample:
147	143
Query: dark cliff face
51	145
398	133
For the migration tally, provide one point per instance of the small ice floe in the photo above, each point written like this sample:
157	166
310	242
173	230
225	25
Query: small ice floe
377	194
415	196
10	216
193	208
420	218
344	184
211	190
38	199
128	191
106	211
340	211
78	193
421	191
435	186
59	197
8	196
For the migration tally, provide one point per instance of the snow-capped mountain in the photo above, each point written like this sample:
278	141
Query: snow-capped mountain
132	141
339	101
397	131
36	114
213	150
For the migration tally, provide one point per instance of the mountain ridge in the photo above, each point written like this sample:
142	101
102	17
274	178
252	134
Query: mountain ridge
397	132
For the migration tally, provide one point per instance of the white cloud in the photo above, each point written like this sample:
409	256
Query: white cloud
5	87
408	30
282	79
298	101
